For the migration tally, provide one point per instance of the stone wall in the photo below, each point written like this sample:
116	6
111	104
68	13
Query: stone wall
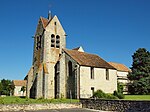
19	107
29	81
98	82
116	105
71	77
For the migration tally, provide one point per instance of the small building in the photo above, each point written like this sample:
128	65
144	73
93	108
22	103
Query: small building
18	84
122	73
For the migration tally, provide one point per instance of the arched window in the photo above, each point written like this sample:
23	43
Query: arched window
52	40
57	41
38	42
70	68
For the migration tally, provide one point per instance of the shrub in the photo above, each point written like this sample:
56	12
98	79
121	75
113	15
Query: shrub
1	100
119	95
110	96
120	87
101	94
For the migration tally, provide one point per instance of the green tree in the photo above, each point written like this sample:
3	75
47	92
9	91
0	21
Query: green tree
0	87
6	87
140	75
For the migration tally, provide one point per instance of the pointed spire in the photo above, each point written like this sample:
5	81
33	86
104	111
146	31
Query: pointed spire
49	15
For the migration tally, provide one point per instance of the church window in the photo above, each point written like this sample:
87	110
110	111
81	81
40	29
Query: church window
58	66
54	23
52	40
57	41
92	73
38	42
70	68
92	89
107	74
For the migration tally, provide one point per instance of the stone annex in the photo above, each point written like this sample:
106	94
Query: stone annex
58	72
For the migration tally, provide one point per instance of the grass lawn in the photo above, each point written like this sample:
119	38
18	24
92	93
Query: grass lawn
18	100
137	97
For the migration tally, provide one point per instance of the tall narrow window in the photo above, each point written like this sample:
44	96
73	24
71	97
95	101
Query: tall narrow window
58	66
52	40
107	74
92	73
54	23
38	42
57	41
92	89
70	68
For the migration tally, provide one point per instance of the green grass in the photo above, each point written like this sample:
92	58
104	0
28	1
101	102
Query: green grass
18	100
137	97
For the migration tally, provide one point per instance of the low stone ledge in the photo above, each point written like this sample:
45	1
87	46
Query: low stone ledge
116	105
19	107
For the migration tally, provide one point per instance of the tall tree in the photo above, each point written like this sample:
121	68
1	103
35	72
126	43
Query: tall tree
0	87
140	75
6	87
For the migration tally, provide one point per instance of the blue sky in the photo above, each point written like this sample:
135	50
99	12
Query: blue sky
113	29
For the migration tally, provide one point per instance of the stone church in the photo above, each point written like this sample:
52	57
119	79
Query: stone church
58	72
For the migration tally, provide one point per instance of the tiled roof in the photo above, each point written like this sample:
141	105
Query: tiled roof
86	59
44	22
20	82
120	67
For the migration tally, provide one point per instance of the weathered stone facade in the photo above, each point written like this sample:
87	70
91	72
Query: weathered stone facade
99	81
49	39
60	73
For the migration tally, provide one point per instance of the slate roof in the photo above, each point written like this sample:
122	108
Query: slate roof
19	82
86	59
120	67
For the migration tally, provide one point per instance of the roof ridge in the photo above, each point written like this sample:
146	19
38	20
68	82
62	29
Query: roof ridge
119	66
116	63
45	19
83	52
88	59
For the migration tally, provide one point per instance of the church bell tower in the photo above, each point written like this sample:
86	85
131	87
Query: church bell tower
49	40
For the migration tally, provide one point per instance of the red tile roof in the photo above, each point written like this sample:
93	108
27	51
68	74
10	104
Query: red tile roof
44	21
86	59
19	82
120	67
